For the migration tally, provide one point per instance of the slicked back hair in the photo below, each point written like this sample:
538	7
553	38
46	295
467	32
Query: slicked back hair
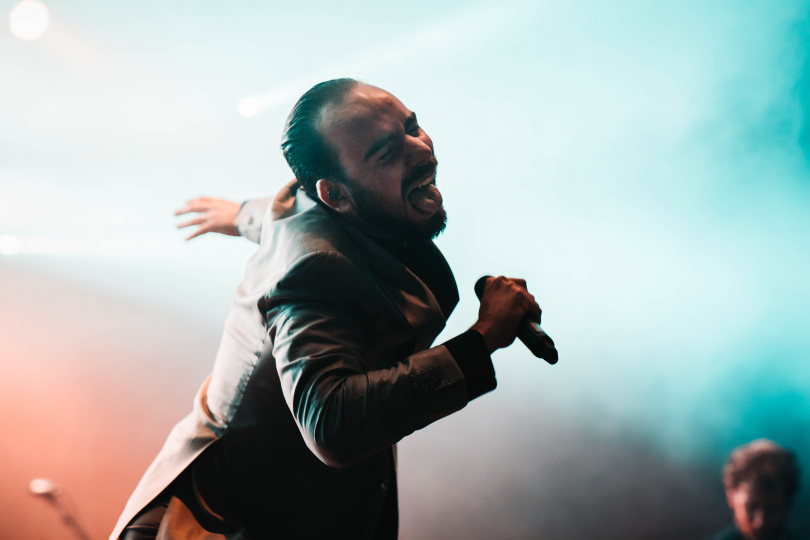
765	465
307	154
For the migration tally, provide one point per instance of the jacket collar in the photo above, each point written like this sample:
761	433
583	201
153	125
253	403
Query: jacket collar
413	300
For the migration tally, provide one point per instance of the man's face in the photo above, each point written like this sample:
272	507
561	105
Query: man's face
388	162
758	516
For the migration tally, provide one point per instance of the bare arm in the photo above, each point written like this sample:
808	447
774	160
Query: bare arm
225	217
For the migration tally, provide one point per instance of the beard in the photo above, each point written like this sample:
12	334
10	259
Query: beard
400	227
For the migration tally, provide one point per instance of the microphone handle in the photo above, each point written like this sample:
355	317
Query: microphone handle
529	332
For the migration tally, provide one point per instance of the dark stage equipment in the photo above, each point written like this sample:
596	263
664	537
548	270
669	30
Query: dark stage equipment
51	491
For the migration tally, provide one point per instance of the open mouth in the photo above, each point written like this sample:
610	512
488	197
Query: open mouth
428	180
425	196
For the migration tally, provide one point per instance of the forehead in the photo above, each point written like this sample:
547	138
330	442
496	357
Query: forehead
364	115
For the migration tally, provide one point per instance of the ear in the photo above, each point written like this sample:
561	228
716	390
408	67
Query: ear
335	195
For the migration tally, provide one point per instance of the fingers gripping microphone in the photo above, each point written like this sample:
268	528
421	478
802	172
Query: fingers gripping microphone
529	332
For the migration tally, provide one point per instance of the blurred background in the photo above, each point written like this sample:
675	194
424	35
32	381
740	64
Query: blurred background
643	165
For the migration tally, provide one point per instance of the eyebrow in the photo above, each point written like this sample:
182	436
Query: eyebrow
380	144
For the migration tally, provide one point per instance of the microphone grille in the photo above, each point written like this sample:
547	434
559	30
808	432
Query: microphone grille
479	286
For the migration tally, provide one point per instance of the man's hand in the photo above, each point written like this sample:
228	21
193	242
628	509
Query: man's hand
504	304
216	215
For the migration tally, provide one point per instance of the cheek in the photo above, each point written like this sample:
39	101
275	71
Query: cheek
740	512
385	189
390	185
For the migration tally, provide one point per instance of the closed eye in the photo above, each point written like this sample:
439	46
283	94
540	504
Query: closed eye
411	125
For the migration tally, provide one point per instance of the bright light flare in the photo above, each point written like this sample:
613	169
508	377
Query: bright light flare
9	244
249	106
28	20
253	105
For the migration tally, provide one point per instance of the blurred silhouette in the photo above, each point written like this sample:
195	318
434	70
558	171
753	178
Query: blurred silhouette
761	480
51	491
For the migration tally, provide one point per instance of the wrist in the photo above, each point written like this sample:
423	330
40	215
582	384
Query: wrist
485	331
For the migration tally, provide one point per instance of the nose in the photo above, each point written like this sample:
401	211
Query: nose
418	151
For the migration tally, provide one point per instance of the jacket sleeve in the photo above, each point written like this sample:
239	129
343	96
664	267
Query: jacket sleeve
345	411
249	219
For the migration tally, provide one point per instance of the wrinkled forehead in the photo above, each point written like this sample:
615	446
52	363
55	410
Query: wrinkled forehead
365	114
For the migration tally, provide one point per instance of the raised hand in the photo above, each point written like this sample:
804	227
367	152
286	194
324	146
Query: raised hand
215	215
504	304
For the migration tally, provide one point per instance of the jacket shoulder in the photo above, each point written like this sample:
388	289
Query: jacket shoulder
315	258
313	231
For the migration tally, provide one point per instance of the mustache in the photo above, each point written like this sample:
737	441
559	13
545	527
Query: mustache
418	173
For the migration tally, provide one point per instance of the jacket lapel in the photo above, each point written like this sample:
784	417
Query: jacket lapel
412	299
410	296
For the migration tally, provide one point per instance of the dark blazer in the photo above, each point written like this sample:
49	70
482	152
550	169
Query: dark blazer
729	533
733	533
325	363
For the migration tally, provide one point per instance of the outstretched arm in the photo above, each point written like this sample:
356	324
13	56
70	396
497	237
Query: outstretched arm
225	217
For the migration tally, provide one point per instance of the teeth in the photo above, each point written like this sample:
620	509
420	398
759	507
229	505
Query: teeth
427	181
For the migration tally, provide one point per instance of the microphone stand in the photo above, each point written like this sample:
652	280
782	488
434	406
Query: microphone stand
50	491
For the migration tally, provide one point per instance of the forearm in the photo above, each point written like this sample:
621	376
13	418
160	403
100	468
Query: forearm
433	392
344	410
362	414
346	407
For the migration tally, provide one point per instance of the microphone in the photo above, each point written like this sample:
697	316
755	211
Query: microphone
43	487
50	491
529	332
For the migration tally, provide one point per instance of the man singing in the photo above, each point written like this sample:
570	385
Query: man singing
326	359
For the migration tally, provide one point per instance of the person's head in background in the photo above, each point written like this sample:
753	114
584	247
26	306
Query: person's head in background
761	479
